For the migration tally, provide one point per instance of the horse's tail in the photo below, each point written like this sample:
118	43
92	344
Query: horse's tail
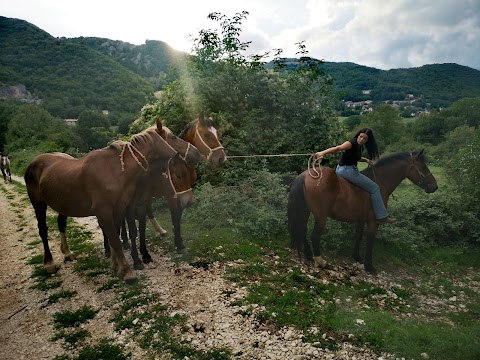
298	213
29	175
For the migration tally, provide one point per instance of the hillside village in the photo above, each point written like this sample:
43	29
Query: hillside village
407	107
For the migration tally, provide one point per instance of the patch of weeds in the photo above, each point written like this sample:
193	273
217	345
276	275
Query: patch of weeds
73	338
33	244
64	294
104	349
35	260
68	318
44	280
92	263
111	284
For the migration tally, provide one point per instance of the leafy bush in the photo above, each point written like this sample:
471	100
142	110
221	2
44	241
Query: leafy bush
257	206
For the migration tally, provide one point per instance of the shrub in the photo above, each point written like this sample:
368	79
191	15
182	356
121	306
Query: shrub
257	206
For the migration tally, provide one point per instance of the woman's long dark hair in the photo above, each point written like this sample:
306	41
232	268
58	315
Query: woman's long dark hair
371	144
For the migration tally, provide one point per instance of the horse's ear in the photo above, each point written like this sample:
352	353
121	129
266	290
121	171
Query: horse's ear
201	119
160	127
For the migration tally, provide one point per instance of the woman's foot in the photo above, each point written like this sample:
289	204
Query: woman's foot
386	220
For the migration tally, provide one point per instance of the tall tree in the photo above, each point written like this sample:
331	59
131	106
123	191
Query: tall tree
386	124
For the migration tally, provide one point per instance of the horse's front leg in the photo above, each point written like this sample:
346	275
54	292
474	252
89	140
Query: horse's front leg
318	228
106	245
359	226
372	227
158	228
132	230
142	224
41	215
176	213
62	227
123	232
119	262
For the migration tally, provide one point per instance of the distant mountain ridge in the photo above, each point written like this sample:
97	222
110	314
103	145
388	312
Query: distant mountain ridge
71	75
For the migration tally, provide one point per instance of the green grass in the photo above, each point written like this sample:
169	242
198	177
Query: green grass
65	319
63	294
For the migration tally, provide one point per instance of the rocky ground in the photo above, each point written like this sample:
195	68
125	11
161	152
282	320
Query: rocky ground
26	325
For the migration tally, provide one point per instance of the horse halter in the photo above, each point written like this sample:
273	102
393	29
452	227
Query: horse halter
171	147
205	144
168	175
423	177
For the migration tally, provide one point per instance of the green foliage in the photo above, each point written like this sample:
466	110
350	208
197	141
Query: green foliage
463	171
68	318
386	124
256	206
433	128
104	349
94	130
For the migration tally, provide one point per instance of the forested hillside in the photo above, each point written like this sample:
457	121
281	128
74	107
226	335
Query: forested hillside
151	60
437	84
66	76
73	75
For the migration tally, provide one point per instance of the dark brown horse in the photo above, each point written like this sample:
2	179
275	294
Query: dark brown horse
172	178
100	184
204	136
326	195
5	168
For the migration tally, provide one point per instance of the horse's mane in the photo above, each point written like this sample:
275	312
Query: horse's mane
208	122
397	156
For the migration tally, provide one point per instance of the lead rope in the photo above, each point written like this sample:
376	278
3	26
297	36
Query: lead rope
313	163
130	147
168	175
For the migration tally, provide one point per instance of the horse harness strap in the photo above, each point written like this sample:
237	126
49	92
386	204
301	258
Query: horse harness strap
423	177
133	150
167	174
205	144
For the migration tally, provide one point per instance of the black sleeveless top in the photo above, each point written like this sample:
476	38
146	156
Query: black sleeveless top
352	155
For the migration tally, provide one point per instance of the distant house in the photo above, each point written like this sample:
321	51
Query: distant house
71	122
366	92
105	112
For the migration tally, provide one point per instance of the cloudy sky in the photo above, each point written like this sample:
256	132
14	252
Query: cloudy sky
385	34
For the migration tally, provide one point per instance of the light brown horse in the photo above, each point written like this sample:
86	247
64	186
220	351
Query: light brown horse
326	195
101	184
5	168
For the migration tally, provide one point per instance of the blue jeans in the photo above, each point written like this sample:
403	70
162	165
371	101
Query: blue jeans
352	174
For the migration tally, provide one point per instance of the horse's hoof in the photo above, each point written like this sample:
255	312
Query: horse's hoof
147	259
69	257
51	268
130	278
108	254
182	251
138	266
319	262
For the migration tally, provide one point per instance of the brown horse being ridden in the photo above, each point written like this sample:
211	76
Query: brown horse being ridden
172	178
5	168
321	192
100	184
202	134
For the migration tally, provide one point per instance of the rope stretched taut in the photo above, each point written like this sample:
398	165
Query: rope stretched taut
264	156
